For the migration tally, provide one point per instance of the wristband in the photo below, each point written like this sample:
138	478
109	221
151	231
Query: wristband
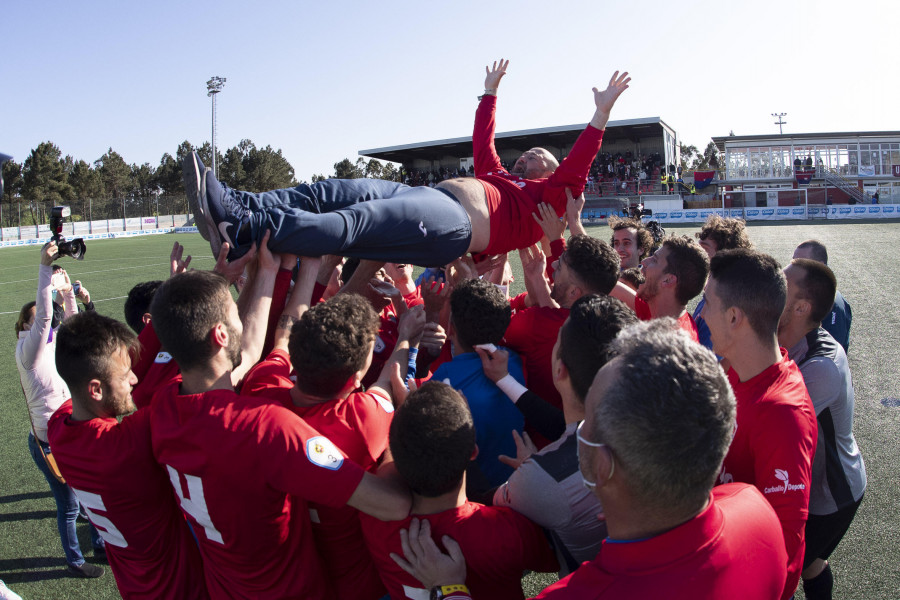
450	592
512	388
490	91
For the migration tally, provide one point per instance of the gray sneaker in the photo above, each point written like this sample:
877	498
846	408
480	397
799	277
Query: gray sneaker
193	173
86	570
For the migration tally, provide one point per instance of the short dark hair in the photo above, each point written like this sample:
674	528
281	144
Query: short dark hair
633	276
753	282
817	250
331	342
479	312
138	303
818	285
727	233
594	262
689	262
184	310
432	439
594	321
668	417
85	346
643	237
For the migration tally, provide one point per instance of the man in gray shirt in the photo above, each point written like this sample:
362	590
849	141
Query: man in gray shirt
547	486
838	472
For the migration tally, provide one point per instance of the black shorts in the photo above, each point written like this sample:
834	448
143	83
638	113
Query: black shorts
824	532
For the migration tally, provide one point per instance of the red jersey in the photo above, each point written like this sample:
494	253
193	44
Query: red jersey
162	372
149	345
511	199
685	321
359	426
385	341
110	467
498	543
414	298
243	469
732	549
532	334
773	448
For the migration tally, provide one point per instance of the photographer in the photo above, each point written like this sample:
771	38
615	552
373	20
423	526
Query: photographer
44	392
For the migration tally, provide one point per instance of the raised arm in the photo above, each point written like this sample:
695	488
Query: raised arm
255	320
35	341
299	301
573	170
486	159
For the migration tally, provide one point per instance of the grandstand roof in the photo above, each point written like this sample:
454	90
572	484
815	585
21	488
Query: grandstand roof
559	136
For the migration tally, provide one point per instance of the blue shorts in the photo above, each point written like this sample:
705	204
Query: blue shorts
361	218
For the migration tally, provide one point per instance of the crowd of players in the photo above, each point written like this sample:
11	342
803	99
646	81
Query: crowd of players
337	435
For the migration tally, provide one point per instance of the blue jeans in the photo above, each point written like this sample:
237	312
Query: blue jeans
66	508
361	218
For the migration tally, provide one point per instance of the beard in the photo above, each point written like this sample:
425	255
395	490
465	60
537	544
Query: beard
648	290
234	346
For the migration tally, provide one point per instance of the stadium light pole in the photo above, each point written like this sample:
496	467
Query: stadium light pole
213	87
780	122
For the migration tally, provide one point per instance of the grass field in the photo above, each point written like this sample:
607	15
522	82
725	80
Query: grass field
863	256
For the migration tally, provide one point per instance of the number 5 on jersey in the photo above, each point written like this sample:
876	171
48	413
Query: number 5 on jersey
194	503
109	532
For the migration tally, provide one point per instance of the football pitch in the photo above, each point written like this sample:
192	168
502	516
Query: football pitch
865	565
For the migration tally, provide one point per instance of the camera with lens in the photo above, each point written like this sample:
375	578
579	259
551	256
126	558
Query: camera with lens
76	247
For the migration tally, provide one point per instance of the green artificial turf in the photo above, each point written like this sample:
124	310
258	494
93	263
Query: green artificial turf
863	255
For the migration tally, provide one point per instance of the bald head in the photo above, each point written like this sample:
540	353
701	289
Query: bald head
536	163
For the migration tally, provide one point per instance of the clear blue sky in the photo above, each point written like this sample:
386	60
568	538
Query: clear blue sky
323	80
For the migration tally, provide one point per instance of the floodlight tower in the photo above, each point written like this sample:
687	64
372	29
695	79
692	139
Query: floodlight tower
213	87
779	122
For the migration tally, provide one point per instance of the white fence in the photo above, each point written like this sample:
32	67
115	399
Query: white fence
98	230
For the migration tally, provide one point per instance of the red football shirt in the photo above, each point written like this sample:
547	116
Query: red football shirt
773	448
532	333
110	467
498	543
359	426
243	469
685	321
732	549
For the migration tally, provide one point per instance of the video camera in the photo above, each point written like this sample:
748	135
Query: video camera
76	247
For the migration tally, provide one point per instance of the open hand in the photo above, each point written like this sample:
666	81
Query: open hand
495	74
549	221
605	100
524	449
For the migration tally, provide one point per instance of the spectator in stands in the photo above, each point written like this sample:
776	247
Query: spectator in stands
661	407
45	391
631	240
110	465
775	438
546	486
838	321
432	440
838	471
246	444
673	276
718	233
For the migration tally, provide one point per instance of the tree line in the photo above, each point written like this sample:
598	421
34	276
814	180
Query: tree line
110	188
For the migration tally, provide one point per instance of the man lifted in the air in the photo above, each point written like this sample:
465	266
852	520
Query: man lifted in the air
388	221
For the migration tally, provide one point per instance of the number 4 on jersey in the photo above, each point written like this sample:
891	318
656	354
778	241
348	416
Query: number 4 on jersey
194	503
